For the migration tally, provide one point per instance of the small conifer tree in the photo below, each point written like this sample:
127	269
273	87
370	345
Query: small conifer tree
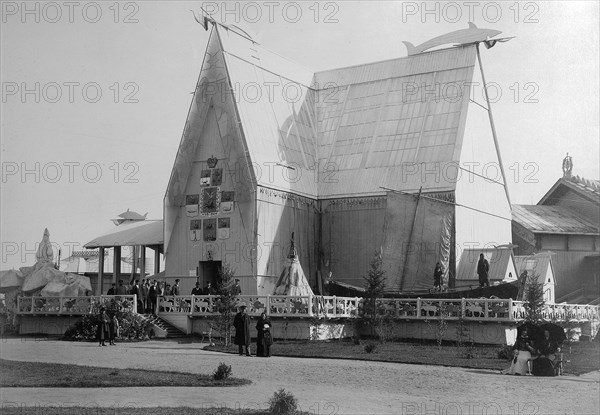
534	300
374	285
227	301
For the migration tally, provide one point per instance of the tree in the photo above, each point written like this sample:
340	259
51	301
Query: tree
374	285
372	314
534	300
226	301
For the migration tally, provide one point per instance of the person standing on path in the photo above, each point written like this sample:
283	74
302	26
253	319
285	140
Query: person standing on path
241	322
113	329
102	332
264	340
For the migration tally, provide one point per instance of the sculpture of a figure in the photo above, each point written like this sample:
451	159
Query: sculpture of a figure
567	166
45	252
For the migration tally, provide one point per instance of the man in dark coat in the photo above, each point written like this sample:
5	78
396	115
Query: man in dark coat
438	272
241	322
102	331
483	267
197	290
152	297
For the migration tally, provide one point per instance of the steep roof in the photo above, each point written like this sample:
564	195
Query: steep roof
537	265
353	129
587	188
552	220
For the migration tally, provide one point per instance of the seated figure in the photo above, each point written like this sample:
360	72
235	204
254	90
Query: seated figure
544	364
522	349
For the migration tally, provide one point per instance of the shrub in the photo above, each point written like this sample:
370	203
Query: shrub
283	403
132	326
505	352
370	347
223	372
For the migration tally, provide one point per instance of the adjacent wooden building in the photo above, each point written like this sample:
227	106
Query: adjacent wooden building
565	223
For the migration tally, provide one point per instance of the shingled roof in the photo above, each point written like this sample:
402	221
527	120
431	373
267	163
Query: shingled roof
552	220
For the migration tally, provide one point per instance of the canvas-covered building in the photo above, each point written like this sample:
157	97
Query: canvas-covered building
389	155
566	222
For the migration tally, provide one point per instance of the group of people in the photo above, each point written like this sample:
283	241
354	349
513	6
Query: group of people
264	339
483	270
534	358
147	292
108	328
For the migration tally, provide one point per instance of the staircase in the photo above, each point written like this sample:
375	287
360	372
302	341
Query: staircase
172	331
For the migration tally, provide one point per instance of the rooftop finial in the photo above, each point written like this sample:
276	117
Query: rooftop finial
567	166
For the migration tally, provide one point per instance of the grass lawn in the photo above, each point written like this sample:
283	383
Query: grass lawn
116	410
35	374
70	410
584	356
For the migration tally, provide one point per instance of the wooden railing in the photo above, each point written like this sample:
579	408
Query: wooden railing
483	309
474	309
74	305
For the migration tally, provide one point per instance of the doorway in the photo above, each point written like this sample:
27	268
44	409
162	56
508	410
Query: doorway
208	271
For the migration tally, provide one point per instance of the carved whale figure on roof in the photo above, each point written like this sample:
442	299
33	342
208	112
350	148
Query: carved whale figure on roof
464	36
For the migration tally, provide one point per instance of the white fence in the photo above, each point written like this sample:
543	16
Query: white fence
74	305
476	309
480	309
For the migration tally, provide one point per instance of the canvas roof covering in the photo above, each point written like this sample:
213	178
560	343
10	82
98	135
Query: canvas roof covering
552	220
360	125
147	232
498	258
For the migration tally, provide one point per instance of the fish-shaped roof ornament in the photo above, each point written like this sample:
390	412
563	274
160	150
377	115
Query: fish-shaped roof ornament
459	37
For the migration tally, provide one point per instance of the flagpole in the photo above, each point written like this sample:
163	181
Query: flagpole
489	111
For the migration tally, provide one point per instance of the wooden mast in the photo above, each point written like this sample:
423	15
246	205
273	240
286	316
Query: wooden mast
412	228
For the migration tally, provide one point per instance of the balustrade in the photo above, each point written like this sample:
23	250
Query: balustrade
478	309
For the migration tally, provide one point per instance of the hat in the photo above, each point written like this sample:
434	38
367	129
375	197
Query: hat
177	280
243	306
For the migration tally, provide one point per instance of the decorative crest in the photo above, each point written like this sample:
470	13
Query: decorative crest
212	162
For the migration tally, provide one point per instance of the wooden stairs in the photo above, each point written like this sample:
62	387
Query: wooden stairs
172	331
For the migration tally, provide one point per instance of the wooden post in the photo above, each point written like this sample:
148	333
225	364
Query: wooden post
116	264
156	260
510	309
310	305
489	111
412	228
142	262
100	282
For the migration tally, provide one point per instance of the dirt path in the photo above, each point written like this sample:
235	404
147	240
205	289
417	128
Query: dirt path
323	386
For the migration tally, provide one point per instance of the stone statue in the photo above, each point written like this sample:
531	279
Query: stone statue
567	166
45	252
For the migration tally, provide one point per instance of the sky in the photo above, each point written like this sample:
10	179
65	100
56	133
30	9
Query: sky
95	94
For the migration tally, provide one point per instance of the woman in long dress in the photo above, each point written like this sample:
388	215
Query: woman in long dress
522	350
264	340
